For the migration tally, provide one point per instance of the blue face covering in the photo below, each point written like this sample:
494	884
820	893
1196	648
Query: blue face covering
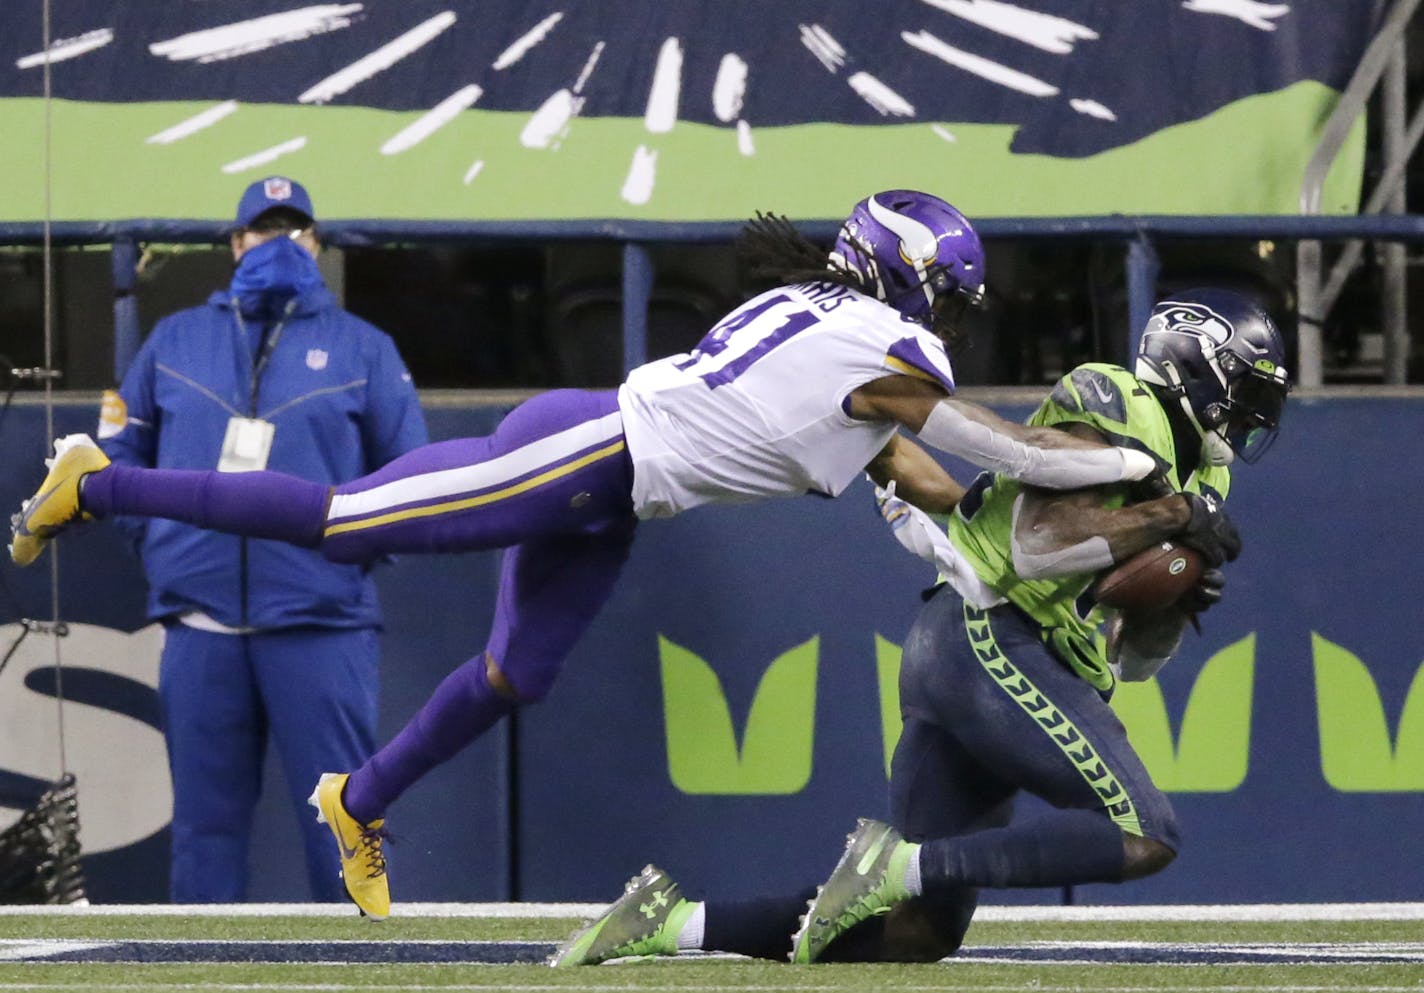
270	274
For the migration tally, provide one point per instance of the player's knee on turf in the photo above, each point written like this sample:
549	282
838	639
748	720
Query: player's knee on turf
916	931
1144	856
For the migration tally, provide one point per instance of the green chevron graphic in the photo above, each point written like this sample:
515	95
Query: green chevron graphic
1210	755
1213	750
887	671
775	756
1052	721
1356	755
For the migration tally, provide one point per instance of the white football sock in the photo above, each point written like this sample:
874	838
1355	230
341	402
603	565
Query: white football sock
912	873
690	937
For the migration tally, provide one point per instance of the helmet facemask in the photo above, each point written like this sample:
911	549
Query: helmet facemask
950	307
1250	416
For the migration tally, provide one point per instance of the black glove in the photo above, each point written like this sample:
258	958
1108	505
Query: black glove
1210	531
1206	594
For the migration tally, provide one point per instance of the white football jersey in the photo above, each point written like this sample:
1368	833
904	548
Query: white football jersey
758	409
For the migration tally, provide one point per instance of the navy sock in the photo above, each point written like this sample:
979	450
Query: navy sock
761	928
1070	847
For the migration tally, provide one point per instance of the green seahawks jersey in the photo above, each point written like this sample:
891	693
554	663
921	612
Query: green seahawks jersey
1110	399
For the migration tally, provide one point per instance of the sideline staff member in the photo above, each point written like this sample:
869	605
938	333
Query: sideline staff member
261	637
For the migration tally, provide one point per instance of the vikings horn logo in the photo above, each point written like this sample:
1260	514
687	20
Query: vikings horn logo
918	244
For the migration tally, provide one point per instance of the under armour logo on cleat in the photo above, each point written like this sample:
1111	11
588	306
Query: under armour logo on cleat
650	909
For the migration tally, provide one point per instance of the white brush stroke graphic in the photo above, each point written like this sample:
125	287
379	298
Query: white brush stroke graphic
979	66
67	48
194	124
266	155
379	60
475	168
943	132
638	186
548	125
1257	15
588	67
885	100
663	95
823	45
432	120
744	139
1043	31
730	90
1092	109
526	41
245	37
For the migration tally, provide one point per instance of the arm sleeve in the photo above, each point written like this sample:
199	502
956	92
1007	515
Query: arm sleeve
949	430
394	422
918	533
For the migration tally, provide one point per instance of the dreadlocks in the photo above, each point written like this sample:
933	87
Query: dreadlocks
771	249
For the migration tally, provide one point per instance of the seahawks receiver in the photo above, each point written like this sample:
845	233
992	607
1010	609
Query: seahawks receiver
1008	692
797	391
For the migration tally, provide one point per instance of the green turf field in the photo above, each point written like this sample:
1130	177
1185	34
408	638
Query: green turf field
1376	949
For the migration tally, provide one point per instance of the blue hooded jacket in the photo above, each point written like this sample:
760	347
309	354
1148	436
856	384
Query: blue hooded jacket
342	403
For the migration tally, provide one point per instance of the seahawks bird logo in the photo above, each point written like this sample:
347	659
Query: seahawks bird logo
1191	318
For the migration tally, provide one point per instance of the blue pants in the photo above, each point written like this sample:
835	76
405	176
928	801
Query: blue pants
313	690
988	712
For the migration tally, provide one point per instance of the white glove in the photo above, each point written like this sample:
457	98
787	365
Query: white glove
918	532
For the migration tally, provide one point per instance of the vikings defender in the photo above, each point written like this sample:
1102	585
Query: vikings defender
797	391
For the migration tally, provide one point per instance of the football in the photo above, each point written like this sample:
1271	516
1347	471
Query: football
1153	578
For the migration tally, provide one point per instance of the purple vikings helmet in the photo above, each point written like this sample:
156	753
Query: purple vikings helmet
912	249
1223	358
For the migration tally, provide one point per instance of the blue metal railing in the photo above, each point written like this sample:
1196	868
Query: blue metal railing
1138	235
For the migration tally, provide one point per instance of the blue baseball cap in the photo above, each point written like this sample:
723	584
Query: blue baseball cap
274	191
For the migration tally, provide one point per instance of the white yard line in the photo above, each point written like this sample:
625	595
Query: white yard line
1171	912
718	987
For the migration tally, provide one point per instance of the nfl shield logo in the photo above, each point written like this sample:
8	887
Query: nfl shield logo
316	359
277	188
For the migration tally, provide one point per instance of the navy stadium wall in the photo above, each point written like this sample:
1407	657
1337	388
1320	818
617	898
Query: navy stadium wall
728	715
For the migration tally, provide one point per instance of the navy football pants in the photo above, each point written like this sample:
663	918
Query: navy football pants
989	711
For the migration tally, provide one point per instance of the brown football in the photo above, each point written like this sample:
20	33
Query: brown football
1153	578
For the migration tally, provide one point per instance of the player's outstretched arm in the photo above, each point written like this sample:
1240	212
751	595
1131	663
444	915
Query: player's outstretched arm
1041	456
917	478
1059	533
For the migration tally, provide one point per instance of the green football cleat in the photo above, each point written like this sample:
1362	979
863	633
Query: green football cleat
645	920
363	859
867	881
55	504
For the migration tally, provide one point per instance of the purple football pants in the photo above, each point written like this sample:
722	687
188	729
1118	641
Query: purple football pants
552	485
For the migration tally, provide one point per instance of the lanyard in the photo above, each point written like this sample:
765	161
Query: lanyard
264	355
